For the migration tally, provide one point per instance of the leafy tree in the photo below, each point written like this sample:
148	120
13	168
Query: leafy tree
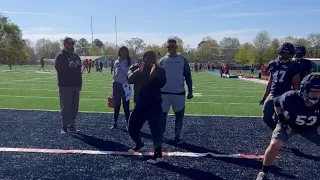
261	43
246	54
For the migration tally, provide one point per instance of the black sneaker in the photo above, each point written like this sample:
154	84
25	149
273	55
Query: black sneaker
177	140
137	148
157	157
72	130
114	126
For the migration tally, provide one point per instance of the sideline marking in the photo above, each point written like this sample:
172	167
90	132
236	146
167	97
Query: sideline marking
125	153
99	112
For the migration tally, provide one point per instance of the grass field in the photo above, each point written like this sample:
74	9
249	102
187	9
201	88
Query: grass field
26	89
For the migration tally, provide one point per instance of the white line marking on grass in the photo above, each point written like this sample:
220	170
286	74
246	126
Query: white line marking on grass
99	112
50	90
92	99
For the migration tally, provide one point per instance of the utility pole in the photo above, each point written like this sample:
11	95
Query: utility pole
115	27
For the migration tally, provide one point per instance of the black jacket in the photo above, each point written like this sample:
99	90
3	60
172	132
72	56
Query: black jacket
147	90
68	77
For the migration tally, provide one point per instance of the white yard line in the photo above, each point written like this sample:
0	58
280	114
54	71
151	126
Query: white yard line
50	110
255	80
89	99
195	93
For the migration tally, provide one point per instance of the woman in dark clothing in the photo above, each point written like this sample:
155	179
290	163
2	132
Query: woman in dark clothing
121	67
148	78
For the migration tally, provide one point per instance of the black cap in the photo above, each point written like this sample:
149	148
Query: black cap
68	40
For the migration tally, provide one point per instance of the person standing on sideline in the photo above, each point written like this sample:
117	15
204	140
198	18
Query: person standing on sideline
148	79
173	93
90	65
101	66
68	66
121	67
111	66
42	64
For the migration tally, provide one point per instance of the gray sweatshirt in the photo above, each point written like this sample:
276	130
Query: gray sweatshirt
177	71
120	71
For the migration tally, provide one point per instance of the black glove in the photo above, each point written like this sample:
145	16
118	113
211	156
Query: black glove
261	102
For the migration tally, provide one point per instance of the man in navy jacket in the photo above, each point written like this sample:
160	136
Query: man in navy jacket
68	66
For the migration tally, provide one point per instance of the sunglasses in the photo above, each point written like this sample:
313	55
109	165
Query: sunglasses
171	46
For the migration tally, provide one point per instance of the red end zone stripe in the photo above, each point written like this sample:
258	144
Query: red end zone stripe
124	153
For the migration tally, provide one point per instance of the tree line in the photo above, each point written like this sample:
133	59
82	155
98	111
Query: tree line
261	50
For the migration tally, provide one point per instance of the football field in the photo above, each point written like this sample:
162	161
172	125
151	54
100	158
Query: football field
27	88
31	146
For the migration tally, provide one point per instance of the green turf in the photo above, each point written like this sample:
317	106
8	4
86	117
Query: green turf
213	95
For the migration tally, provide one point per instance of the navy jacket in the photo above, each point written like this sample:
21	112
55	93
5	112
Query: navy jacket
68	77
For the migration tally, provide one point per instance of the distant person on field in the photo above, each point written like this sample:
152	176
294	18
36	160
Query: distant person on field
120	85
208	67
68	66
97	65
90	65
111	66
173	93
42	64
212	67
200	67
221	70
196	67
10	63
85	65
227	69
101	66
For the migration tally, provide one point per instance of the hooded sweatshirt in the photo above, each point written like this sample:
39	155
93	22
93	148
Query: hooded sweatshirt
146	89
120	71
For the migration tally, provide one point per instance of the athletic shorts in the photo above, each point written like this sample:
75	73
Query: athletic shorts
176	101
284	133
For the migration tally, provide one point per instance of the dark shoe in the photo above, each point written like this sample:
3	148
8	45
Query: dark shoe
157	157
177	140
137	148
114	126
72	130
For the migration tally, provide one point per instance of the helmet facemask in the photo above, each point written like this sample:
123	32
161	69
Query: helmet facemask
311	97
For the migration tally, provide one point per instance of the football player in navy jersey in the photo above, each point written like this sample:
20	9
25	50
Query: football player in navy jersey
305	64
298	112
284	75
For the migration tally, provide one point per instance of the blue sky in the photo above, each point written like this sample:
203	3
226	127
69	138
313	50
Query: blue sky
154	21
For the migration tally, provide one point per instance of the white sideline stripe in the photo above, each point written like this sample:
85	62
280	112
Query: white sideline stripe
264	82
99	112
220	90
86	99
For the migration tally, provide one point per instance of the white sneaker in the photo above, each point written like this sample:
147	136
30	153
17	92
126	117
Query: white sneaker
261	176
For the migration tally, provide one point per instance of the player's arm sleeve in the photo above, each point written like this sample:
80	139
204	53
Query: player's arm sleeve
133	74
60	65
187	75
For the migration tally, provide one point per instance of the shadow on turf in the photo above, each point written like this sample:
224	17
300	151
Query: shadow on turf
250	163
189	172
100	144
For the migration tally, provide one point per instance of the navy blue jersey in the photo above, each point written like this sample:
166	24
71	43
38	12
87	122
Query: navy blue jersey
281	76
299	116
305	67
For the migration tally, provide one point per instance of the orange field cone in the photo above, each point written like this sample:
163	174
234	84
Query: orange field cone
240	74
267	79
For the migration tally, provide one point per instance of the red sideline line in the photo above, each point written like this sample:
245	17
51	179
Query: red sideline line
124	153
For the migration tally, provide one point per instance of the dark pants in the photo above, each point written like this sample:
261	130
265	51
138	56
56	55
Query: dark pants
101	68
259	75
139	116
111	69
41	67
118	95
69	105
